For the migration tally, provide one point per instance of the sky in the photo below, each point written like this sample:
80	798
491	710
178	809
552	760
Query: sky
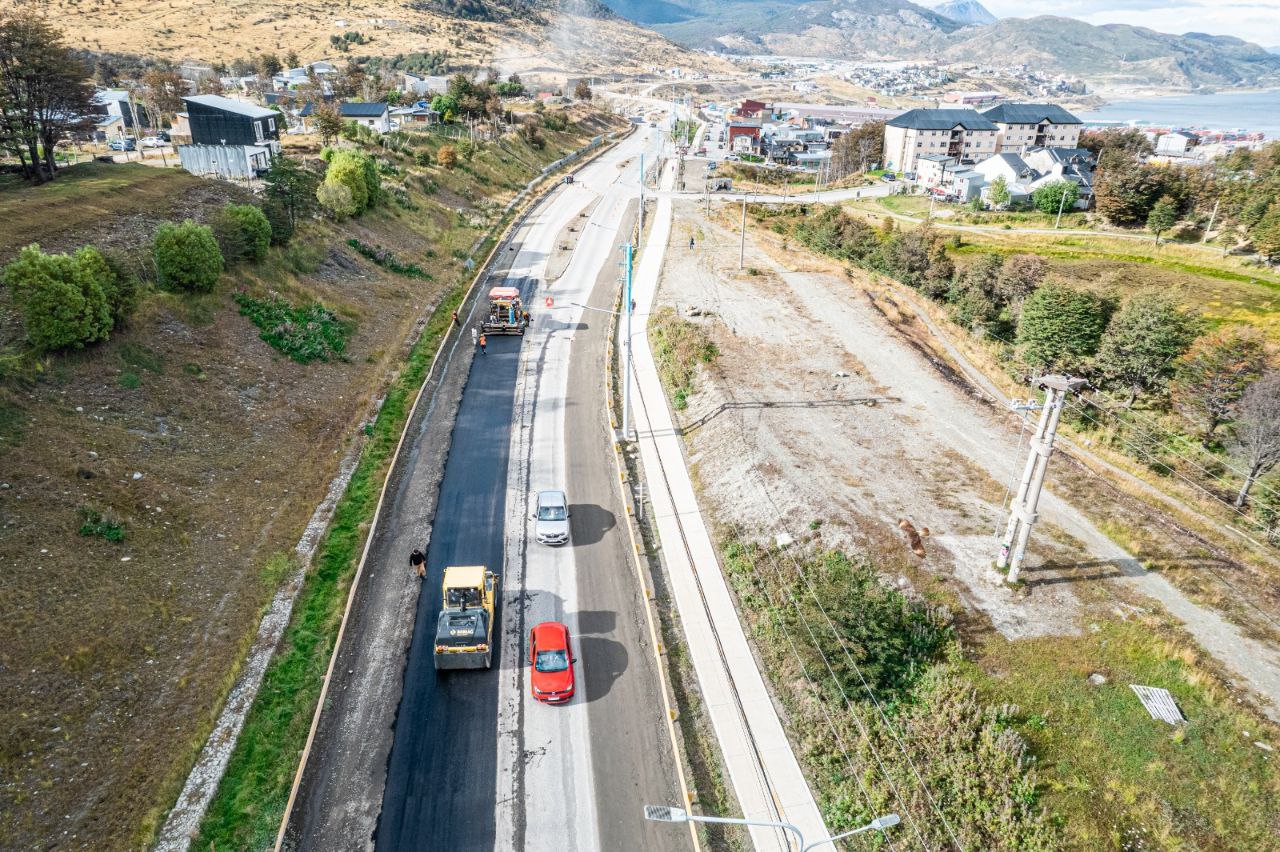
1254	20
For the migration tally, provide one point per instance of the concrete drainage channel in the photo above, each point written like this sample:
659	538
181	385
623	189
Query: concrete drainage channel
183	821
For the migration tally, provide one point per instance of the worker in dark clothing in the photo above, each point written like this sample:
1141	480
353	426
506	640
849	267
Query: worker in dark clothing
418	562
455	318
691	242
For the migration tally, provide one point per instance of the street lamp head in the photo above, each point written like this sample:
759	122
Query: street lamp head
882	822
663	813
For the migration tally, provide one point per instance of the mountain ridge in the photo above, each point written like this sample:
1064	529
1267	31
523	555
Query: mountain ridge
967	12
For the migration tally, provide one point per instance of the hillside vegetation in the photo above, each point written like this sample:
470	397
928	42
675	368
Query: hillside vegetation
574	36
155	483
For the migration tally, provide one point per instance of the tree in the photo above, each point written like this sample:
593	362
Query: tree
582	91
1060	327
187	257
1142	343
447	156
1126	143
998	193
44	92
446	105
336	199
1163	216
1258	431
292	187
1059	195
1266	234
857	149
359	173
63	298
269	65
392	97
1212	377
328	122
291	59
1020	275
161	94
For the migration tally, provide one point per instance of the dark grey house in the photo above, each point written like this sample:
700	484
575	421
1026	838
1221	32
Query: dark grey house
229	138
216	120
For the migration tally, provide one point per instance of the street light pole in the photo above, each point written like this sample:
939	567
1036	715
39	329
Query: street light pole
662	813
626	385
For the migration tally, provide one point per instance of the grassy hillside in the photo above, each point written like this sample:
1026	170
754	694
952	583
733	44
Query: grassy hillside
207	449
568	38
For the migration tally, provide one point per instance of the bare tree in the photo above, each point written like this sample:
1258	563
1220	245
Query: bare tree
1258	431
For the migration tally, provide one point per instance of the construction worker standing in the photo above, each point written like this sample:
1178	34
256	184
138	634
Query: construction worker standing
482	343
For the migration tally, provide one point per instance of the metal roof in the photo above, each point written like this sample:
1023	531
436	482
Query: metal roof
941	119
362	109
228	105
1030	114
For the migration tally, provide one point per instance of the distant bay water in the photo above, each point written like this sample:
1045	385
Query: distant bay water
1222	111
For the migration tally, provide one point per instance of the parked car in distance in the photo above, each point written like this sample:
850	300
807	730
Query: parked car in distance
551	656
551	518
731	157
123	144
153	142
888	177
568	179
711	166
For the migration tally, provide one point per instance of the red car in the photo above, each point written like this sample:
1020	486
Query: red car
552	657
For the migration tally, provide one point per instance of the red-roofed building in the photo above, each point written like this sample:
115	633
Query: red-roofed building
752	109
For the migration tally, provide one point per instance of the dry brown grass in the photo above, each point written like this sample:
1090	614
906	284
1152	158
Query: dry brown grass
210	30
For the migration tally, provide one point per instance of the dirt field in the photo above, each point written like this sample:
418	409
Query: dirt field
828	417
211	449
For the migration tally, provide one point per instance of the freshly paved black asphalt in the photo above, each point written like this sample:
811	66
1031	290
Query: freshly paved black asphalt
441	778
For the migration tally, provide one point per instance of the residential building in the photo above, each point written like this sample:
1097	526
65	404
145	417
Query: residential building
1018	176
421	85
959	133
743	136
374	114
1176	144
291	78
411	116
971	98
119	115
229	138
1039	167
1022	126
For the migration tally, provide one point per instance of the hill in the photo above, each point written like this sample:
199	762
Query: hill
573	36
1118	54
967	12
1109	55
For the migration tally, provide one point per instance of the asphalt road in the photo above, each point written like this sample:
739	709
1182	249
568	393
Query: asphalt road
474	762
441	785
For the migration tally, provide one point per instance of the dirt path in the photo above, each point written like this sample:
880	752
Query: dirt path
929	449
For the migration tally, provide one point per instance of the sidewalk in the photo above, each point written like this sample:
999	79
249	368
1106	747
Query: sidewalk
762	769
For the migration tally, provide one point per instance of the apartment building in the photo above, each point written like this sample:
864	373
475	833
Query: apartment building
1023	126
960	133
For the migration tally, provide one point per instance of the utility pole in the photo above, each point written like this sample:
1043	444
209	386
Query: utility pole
626	385
1062	202
742	246
642	193
1212	216
1022	513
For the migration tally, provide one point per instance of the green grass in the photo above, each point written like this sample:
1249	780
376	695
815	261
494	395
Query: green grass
678	347
304	333
1111	774
93	524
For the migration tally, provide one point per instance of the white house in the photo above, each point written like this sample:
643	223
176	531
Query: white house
1176	144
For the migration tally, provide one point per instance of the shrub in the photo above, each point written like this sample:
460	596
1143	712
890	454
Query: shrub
121	289
253	228
336	199
359	174
187	257
423	157
64	298
447	156
92	523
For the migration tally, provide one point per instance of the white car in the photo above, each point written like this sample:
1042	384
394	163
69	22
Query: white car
154	142
551	518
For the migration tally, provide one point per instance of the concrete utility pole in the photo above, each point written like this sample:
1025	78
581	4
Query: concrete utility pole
1212	217
1022	513
642	194
742	246
1062	201
626	385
